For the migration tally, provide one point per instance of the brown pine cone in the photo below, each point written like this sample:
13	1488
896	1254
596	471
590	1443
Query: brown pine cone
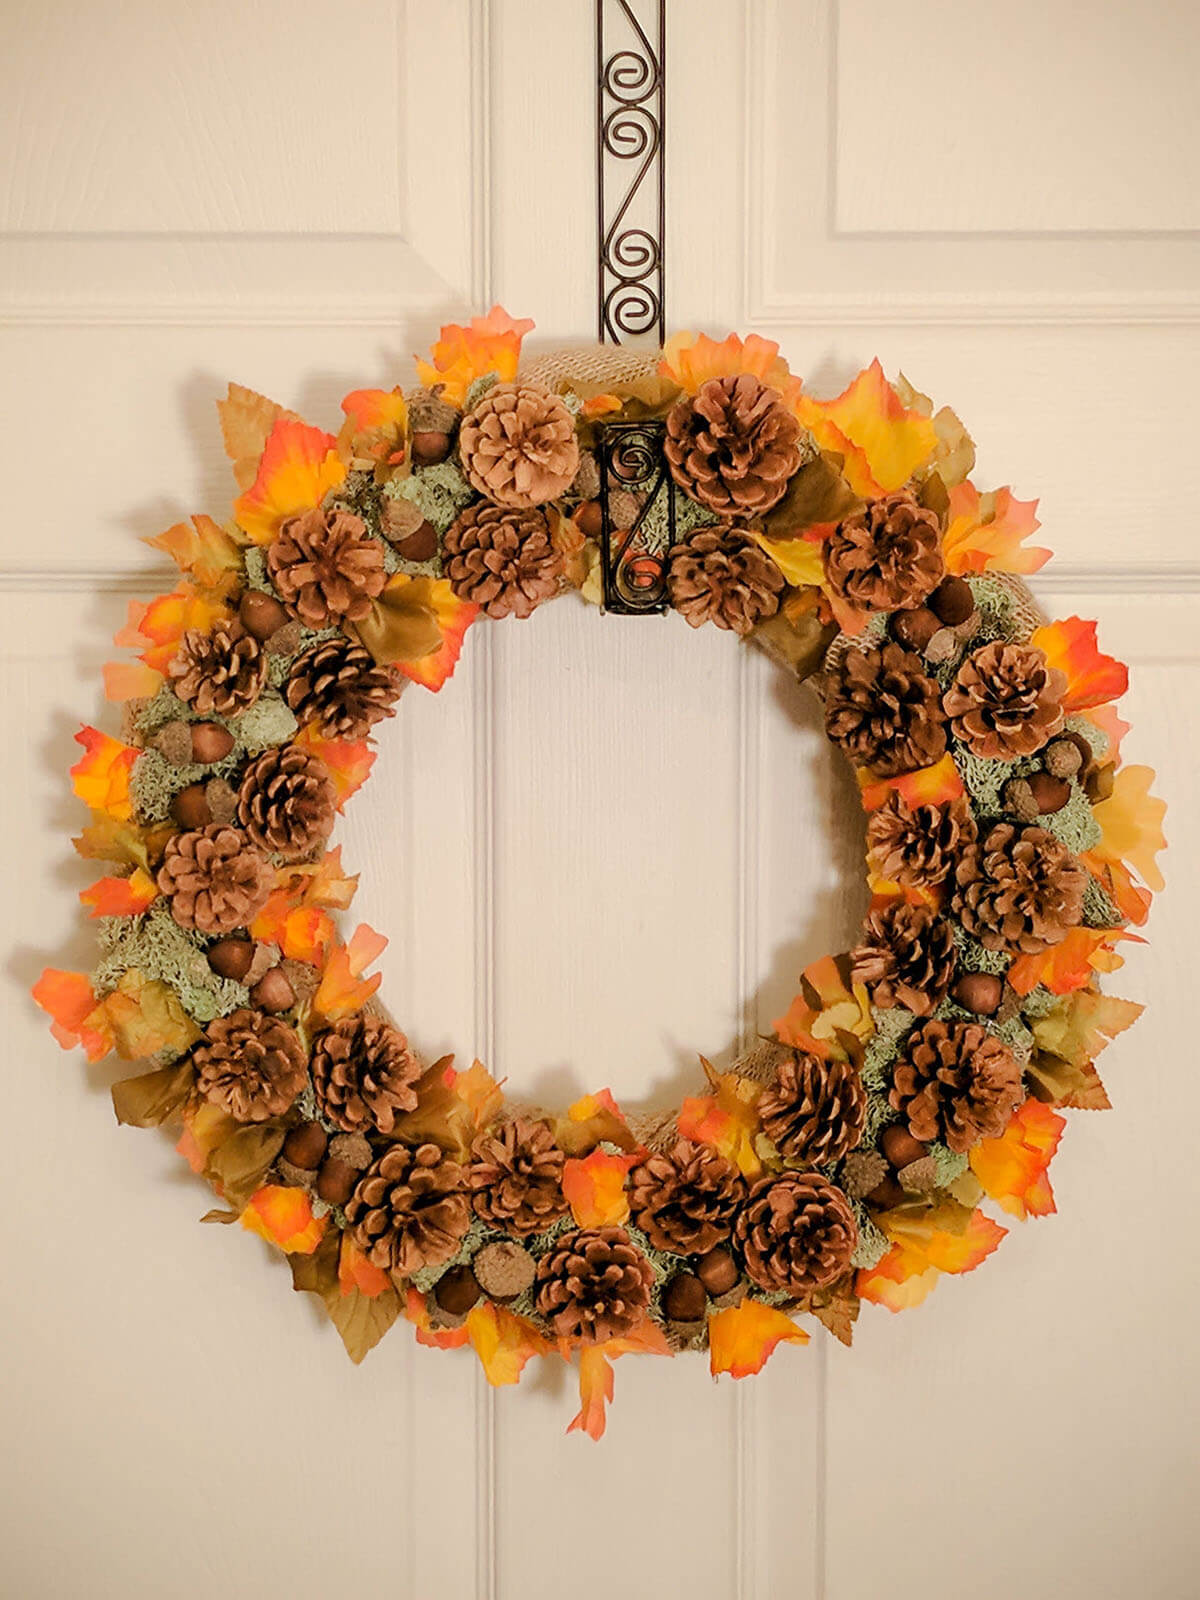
815	1110
684	1201
337	686
503	560
796	1233
214	878
326	566
886	556
516	1177
518	446
957	1082
884	712
733	446
409	1209
1019	889
363	1073
721	575
593	1284
286	802
1005	701
221	672
905	957
919	847
250	1065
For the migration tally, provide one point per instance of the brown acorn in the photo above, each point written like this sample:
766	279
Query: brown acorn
1050	794
231	958
429	447
305	1146
210	743
717	1271
952	601
887	1194
457	1290
899	1146
261	614
684	1299
980	992
273	993
915	628
504	1269
589	519
419	545
190	807
336	1181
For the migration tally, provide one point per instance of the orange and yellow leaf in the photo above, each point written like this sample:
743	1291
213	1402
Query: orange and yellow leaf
299	466
503	1342
1130	823
1070	964
69	1001
829	1005
375	429
155	628
986	532
343	990
283	1216
356	1272
1092	678
463	354
883	442
595	1188
1013	1169
592	1120
741	1339
929	786
101	777
203	548
121	897
130	680
727	1119
349	761
920	1252
691	360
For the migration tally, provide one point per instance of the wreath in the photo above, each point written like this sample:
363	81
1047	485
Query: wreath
850	1156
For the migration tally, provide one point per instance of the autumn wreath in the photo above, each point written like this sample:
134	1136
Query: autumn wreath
844	1159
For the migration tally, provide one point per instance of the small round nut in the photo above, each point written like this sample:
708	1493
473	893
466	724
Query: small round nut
952	601
1018	799
261	614
717	1271
979	992
457	1290
231	958
1049	793
589	519
914	629
429	446
305	1145
273	993
210	742
190	807
684	1298
899	1146
336	1181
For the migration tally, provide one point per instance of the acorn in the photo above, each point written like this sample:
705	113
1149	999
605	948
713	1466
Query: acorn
717	1271
979	992
261	614
914	629
883	1196
273	993
1063	758
1100	783
504	1269
429	447
457	1290
1050	794
190	807
589	519
231	958
210	742
952	601
305	1146
899	1146
684	1299
419	545
336	1181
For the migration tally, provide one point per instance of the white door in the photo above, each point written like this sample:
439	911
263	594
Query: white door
610	843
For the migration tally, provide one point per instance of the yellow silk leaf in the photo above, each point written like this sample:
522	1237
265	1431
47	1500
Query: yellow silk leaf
1131	824
742	1338
1084	1024
283	1216
1013	1169
246	422
882	440
503	1342
299	466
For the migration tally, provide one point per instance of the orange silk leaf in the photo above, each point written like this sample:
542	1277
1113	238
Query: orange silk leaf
121	897
1013	1169
503	1342
929	786
69	1001
101	777
356	1272
1092	677
727	1119
203	549
828	1005
343	990
742	1338
349	760
463	354
919	1253
691	360
986	532
595	1188
376	426
1070	964
155	628
283	1216
883	442
299	466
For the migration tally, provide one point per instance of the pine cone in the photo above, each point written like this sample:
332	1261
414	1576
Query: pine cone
215	880
884	712
221	672
796	1233
363	1073
337	686
733	446
516	1177
503	560
684	1201
721	575
593	1284
1018	889
326	566
906	957
409	1209
815	1110
918	848
887	556
518	446
1005	701
957	1082
250	1065
286	802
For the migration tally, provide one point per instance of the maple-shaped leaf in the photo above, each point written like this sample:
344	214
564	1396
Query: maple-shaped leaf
596	1375
836	1309
156	627
130	680
692	360
921	1251
109	839
358	1275
205	550
503	1342
348	761
464	353
153	1098
101	777
477	1091
742	1338
594	1187
987	532
1075	1086
417	625
246	422
1013	1169
374	434
802	561
143	1016
283	1216
727	1119
928	786
594	1119
343	990
1130	822
1084	1024
1070	964
70	1002
882	441
829	1006
302	932
955	453
1092	677
121	897
299	466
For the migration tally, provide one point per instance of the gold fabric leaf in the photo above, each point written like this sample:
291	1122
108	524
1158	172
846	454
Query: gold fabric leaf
153	1098
238	1166
402	624
246	420
362	1320
798	642
817	494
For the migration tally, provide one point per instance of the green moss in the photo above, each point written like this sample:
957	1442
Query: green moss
994	602
1099	910
892	1027
1039	1002
972	957
268	722
948	1164
478	389
872	1243
985	779
440	492
256	570
154	782
1075	825
156	945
